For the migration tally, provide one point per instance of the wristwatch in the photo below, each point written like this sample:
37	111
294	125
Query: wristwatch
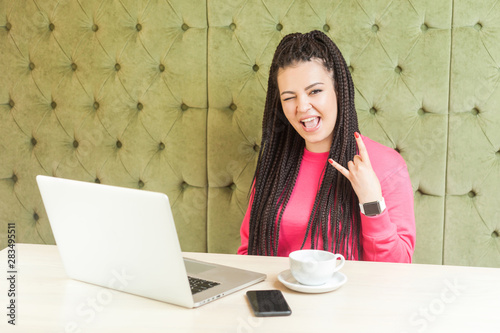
372	208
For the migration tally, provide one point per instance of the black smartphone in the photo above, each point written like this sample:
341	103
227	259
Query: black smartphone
267	303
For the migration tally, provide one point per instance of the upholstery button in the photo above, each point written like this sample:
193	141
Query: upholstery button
117	67
138	27
33	142
351	69
475	111
398	69
232	186
36	217
52	27
11	103
419	192
95	27
373	111
75	144
471	194
161	146
326	28
184	185
96	105
53	105
161	67
14	178
140	106
8	26
233	107
279	27
255	68
74	66
424	27
398	150
498	154
32	66
421	111
140	183
375	28
478	26
97	180
495	234
256	148
185	27
232	26
118	144
184	107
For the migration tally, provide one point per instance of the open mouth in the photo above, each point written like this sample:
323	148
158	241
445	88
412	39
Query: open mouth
310	123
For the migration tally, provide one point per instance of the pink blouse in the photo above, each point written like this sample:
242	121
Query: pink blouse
388	237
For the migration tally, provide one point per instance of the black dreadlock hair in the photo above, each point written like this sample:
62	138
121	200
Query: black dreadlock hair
336	204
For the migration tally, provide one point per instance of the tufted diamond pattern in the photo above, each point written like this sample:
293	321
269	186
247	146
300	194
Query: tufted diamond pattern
168	95
112	92
472	201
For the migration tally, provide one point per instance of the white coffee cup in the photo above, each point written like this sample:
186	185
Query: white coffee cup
314	267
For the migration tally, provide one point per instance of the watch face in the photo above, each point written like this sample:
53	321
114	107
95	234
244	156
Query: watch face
371	208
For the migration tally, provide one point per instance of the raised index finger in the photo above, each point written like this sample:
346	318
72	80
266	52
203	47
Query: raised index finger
361	147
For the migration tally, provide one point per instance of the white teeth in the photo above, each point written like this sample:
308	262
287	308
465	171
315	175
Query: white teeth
310	122
308	119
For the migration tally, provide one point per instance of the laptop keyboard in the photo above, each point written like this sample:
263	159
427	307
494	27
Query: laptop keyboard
198	285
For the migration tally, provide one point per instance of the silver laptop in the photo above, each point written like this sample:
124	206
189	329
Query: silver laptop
125	239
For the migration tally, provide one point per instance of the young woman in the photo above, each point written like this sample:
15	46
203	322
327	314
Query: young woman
319	183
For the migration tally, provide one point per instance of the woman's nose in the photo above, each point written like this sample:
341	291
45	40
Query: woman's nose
303	104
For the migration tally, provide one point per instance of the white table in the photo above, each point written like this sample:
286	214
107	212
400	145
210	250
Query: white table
378	297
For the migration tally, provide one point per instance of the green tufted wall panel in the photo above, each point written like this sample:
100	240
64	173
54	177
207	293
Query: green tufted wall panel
107	91
168	95
472	233
394	49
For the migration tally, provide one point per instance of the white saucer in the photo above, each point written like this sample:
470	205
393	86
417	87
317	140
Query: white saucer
337	281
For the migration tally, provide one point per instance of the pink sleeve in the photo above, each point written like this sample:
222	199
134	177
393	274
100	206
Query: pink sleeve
244	230
390	236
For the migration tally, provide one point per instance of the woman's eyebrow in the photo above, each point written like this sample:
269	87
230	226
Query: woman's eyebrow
307	88
312	85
